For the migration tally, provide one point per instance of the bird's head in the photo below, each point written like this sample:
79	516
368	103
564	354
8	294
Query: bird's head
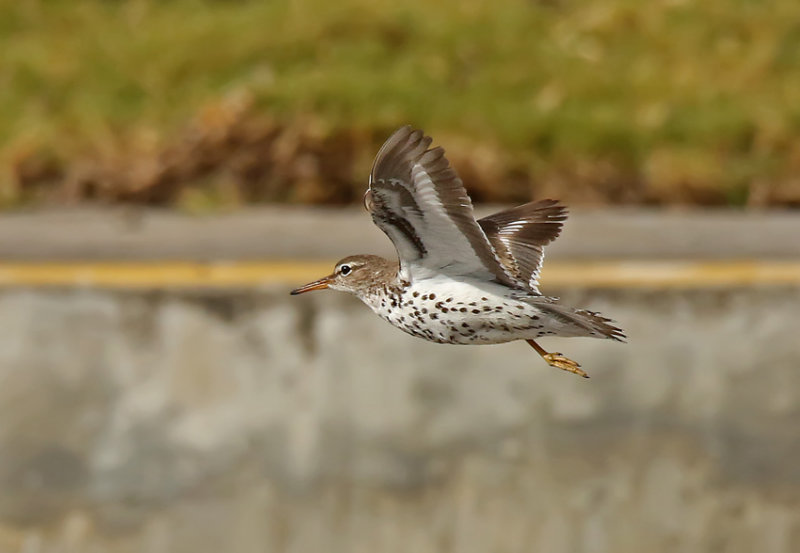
356	274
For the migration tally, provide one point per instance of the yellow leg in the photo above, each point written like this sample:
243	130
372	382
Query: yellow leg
558	360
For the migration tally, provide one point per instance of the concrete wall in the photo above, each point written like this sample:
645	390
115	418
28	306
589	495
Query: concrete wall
155	422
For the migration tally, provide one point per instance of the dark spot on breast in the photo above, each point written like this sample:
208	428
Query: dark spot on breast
535	317
520	307
448	300
472	304
416	294
487	308
463	309
424	310
434	316
433	296
425	297
445	310
484	299
476	311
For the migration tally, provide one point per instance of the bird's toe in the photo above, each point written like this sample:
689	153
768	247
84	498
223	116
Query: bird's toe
558	360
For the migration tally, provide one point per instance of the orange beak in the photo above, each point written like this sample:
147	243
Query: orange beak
320	284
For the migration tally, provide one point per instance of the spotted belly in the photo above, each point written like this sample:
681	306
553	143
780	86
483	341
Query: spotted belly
448	319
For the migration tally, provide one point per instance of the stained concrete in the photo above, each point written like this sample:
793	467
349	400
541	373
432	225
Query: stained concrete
156	422
303	233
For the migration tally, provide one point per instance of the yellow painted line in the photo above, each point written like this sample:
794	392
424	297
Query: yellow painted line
171	274
671	274
556	274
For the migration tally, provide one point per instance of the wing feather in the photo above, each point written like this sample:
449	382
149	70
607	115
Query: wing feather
520	234
419	201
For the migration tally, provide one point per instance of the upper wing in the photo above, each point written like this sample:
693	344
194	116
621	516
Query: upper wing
519	236
417	199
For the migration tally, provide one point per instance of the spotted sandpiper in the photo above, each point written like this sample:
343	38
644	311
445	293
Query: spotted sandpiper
458	280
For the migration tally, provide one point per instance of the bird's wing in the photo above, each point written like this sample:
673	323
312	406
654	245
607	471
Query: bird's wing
519	236
418	200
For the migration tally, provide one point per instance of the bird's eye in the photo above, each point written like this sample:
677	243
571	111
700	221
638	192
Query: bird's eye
345	270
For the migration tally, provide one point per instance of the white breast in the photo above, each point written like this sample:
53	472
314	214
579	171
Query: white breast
445	310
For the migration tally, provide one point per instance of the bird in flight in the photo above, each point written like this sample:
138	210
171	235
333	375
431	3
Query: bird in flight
458	280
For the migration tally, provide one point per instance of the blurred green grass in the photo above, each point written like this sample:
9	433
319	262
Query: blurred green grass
675	95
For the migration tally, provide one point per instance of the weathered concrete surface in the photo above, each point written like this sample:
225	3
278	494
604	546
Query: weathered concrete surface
285	232
238	422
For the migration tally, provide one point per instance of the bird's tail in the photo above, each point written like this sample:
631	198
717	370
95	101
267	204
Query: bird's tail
580	322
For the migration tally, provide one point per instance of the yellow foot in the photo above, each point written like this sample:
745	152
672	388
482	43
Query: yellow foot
558	361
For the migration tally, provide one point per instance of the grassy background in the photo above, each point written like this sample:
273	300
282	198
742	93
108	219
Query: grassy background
675	100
